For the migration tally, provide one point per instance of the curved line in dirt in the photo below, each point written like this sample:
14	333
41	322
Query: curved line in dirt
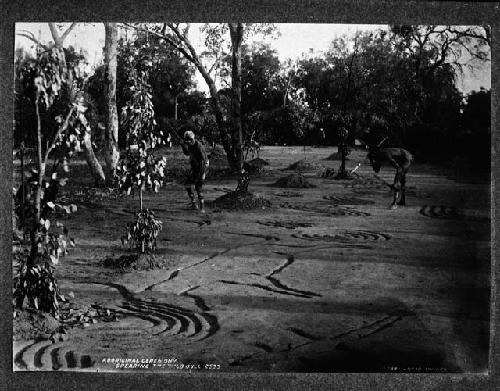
19	358
347	237
37	358
205	221
278	284
200	303
285	224
212	257
440	211
266	237
383	327
309	246
336	242
54	359
176	272
165	322
71	359
209	318
120	288
304	334
265	347
213	322
288	292
180	312
172	275
289	260
162	320
86	361
54	354
167	315
386	321
47	356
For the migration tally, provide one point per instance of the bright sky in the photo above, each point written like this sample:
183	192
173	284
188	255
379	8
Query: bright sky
295	39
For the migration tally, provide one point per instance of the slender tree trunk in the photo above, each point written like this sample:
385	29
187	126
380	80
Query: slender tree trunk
38	194
236	32
219	117
23	187
112	154
342	149
175	108
95	167
287	88
93	163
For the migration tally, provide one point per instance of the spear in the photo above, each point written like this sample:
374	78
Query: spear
359	164
355	168
380	143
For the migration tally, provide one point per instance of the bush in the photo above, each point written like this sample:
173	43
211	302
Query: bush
39	286
141	235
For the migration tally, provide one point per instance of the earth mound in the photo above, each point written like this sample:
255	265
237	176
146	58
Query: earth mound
304	165
259	162
294	181
328	173
236	200
135	262
335	156
255	165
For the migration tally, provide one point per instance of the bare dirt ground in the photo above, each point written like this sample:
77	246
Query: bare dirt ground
324	279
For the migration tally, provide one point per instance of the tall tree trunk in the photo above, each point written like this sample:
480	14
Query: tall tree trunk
94	165
341	149
236	32
219	116
190	54
112	154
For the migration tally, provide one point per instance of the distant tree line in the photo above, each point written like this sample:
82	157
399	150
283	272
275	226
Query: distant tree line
399	83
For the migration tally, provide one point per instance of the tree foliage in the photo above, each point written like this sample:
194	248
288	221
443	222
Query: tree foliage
142	233
60	126
399	84
139	168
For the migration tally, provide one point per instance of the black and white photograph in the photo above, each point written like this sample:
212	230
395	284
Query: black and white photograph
251	197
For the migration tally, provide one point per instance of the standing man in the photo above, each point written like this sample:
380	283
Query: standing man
198	161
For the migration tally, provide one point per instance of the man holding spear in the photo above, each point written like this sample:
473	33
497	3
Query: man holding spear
401	160
199	163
